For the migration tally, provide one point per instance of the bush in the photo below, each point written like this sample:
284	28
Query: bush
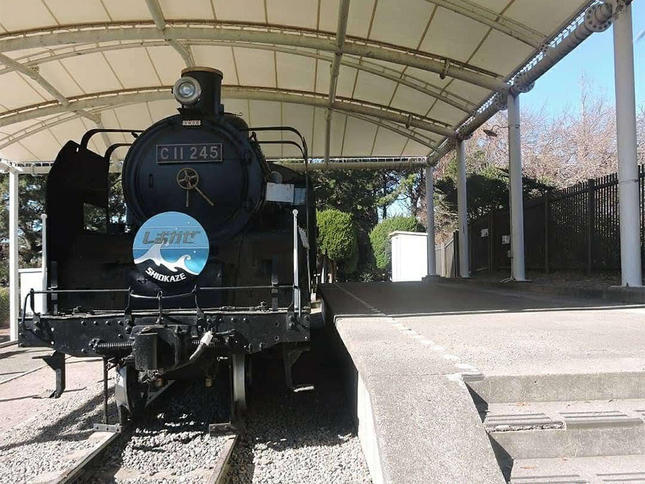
337	239
4	307
380	240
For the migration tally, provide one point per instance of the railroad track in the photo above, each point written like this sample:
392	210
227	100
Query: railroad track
93	462
99	441
220	472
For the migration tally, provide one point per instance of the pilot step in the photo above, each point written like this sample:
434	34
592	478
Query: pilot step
580	470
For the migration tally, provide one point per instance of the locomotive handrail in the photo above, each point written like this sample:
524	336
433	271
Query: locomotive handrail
30	296
112	147
89	133
305	156
283	142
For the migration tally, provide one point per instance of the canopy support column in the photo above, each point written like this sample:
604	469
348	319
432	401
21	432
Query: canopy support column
432	264
14	276
516	196
462	214
630	250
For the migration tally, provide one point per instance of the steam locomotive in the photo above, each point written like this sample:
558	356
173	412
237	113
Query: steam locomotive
213	262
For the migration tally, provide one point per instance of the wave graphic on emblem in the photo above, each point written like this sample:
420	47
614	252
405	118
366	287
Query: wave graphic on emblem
154	254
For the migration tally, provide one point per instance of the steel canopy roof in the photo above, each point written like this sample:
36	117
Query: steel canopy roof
403	78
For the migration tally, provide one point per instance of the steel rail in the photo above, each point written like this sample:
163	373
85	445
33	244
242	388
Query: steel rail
222	464
100	440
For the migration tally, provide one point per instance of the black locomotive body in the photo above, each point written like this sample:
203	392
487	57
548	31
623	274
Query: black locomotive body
170	321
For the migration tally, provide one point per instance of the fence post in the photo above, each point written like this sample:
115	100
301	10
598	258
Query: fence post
547	197
455	255
491	247
591	208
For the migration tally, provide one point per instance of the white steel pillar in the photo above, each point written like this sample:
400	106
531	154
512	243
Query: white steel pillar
14	292
462	215
516	197
432	263
630	247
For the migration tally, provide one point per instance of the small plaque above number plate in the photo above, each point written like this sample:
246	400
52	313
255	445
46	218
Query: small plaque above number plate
189	153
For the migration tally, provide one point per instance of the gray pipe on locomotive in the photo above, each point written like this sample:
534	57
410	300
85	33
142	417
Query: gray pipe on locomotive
213	262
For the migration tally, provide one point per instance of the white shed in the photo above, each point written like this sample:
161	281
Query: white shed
409	255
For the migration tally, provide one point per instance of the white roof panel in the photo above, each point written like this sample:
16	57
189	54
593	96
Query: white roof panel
99	77
295	71
167	62
187	9
453	35
127	53
77	11
487	56
241	10
126	10
545	15
122	62
255	67
17	92
401	23
293	12
374	88
25	15
388	143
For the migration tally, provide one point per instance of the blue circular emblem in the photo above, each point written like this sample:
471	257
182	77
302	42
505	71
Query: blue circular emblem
170	248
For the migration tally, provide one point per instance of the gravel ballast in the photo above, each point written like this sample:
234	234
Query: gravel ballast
305	437
290	437
44	443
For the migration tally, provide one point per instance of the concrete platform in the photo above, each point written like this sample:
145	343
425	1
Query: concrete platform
438	359
26	383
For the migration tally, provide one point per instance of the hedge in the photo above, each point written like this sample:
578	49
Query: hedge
4	307
380	237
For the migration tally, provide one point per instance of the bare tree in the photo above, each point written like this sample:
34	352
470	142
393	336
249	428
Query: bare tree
562	149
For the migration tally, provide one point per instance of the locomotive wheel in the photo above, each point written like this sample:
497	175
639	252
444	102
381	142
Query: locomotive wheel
239	381
130	395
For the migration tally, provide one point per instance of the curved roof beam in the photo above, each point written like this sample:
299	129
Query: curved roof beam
356	163
42	82
65	117
341	32
128	96
62	118
157	15
496	21
407	80
254	33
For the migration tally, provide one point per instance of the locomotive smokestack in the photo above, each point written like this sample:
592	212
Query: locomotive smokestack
200	90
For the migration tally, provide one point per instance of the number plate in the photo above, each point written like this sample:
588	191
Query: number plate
191	152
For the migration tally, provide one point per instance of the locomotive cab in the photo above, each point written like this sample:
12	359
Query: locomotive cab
212	262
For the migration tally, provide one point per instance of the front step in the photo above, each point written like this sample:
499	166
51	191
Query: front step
580	470
559	387
567	429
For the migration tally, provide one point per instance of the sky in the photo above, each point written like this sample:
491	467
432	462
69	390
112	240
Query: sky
593	59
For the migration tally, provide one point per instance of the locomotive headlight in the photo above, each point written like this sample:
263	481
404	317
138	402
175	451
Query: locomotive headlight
187	90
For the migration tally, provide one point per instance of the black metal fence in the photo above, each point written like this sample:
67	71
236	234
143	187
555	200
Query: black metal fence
576	228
